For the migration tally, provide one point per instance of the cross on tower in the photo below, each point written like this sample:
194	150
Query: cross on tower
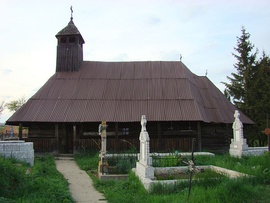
71	10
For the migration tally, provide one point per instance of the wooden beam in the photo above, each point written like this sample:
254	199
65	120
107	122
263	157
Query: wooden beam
56	132
116	136
74	138
199	136
20	131
159	135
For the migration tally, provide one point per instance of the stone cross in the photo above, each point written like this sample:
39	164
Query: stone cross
144	167
238	145
144	156
143	123
237	127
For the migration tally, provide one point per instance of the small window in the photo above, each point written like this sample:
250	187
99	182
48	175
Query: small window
63	40
71	39
125	131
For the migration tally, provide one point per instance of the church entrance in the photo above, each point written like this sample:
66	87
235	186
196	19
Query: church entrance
69	139
66	140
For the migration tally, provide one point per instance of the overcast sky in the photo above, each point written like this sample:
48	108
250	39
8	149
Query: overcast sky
203	31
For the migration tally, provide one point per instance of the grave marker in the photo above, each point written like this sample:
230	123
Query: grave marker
144	166
238	143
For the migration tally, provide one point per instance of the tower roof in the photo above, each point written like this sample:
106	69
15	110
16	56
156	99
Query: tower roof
70	29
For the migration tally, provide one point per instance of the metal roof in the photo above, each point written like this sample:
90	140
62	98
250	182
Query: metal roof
123	91
70	29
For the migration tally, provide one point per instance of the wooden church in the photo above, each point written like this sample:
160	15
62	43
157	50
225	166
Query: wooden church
64	114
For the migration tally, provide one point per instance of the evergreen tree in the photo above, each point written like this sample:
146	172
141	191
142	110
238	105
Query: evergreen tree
240	83
249	87
260	108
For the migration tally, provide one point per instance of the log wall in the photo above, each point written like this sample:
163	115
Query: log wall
167	137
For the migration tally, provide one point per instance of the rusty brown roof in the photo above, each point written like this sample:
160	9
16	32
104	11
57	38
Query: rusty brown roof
123	91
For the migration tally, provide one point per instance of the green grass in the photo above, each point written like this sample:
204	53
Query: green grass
44	184
208	190
253	165
207	173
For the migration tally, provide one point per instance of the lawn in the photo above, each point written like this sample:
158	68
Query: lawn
219	190
42	183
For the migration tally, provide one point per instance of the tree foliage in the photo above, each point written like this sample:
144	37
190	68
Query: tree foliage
15	104
2	107
249	86
261	94
240	86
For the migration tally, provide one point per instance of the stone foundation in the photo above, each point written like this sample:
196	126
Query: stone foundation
145	171
20	150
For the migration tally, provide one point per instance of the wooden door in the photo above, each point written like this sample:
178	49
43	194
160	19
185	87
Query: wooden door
69	139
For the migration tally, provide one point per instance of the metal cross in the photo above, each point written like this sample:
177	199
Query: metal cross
191	166
71	10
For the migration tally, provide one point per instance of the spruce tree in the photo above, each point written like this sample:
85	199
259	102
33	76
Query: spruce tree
260	108
249	87
240	83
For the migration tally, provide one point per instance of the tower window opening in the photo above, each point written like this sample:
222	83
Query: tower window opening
71	40
63	40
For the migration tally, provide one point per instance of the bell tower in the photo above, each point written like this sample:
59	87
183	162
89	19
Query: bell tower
69	48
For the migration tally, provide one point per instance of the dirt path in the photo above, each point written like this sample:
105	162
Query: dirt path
80	184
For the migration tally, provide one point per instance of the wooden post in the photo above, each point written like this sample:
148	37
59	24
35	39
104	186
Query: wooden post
20	131
80	131
116	137
268	143
159	136
56	138
267	133
64	138
74	138
103	164
199	136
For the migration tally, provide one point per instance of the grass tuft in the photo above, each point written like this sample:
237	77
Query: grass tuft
44	183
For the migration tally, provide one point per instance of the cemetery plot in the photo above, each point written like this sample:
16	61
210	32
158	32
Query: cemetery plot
184	175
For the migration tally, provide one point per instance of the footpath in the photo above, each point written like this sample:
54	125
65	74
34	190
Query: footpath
80	184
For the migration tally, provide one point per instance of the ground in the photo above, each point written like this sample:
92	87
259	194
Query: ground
80	184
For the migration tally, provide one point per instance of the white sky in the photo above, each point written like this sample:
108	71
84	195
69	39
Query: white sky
203	31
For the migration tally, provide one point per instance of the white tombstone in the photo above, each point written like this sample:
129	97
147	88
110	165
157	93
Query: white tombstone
144	166
238	145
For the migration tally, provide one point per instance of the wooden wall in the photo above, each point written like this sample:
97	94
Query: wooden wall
216	137
164	137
